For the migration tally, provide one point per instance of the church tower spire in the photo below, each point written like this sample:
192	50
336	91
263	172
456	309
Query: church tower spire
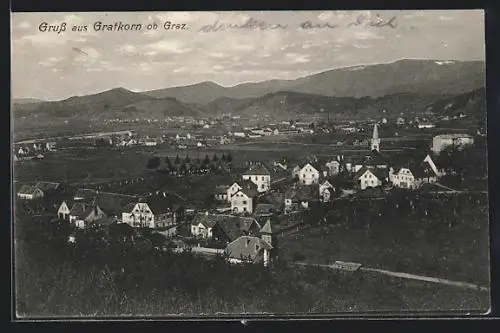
375	142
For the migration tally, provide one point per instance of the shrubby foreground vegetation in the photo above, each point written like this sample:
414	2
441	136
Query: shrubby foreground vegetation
112	277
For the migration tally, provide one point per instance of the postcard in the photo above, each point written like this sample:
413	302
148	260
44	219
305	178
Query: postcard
249	164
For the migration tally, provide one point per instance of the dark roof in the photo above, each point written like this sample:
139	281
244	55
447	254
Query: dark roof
221	189
27	189
47	186
258	170
207	220
381	174
78	209
303	193
247	247
264	209
160	204
376	158
267	228
112	203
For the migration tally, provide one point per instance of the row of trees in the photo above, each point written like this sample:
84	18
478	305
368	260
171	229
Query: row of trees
156	162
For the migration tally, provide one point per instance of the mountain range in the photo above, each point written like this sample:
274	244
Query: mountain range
401	87
421	76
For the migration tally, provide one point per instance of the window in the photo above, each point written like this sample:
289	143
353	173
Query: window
262	186
304	175
262	177
244	209
244	202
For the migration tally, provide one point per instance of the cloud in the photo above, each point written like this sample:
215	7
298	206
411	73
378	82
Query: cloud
127	48
361	46
168	47
24	25
367	34
295	58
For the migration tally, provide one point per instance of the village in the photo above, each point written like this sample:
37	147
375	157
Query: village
241	216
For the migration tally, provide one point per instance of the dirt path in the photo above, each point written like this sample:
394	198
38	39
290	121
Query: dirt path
402	275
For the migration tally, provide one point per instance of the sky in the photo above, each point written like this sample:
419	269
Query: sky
58	65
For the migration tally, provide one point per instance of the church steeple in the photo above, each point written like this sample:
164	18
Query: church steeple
375	142
267	233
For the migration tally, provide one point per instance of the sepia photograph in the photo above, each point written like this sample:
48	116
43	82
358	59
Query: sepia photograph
249	163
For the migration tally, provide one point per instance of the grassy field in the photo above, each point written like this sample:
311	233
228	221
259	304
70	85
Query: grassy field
53	279
407	242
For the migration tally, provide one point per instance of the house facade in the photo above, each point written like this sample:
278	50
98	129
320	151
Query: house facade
148	215
308	175
366	178
242	202
29	192
440	142
63	211
221	193
260	176
326	191
333	168
90	214
232	190
249	249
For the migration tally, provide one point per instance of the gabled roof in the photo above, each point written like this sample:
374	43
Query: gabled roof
232	226
78	209
47	186
159	204
258	170
376	158
251	193
209	221
247	247
303	193
263	209
27	189
221	189
381	174
267	228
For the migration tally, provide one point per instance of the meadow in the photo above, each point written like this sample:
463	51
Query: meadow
94	279
439	237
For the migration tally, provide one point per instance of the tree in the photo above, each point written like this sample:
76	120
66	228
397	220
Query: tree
177	159
168	163
206	161
215	158
198	161
153	163
223	158
229	157
187	159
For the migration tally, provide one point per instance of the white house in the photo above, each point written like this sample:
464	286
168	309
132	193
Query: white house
260	176
333	167
249	249
308	175
150	213
242	201
232	190
326	191
202	227
369	177
81	214
412	175
221	192
440	142
63	211
30	192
